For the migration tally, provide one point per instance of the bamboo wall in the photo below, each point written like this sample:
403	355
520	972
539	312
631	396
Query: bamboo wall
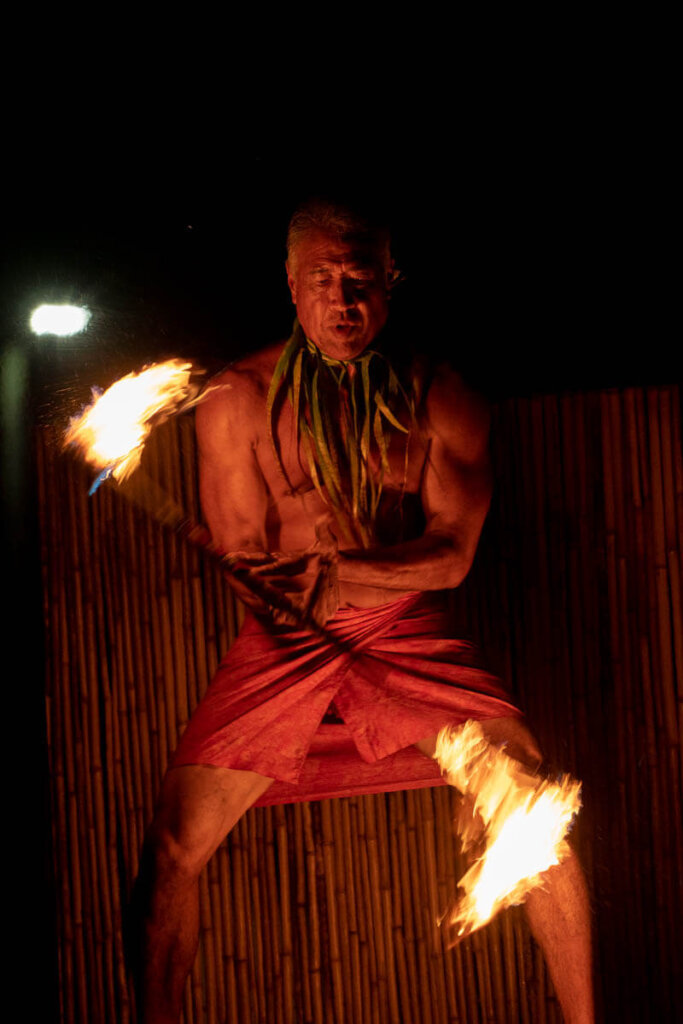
325	912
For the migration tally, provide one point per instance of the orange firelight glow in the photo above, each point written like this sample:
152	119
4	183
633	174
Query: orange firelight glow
524	819
112	431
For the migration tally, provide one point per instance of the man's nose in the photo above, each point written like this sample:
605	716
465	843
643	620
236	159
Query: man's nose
341	293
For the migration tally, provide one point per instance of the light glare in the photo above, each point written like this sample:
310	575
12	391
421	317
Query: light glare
60	320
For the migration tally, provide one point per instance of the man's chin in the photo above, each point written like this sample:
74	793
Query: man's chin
344	342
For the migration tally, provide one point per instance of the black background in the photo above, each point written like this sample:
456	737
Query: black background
533	267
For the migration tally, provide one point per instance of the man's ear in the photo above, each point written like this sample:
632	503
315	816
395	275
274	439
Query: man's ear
392	276
291	281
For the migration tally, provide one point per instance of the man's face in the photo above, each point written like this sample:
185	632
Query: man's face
340	293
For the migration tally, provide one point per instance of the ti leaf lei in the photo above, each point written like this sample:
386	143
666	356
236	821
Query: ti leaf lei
343	411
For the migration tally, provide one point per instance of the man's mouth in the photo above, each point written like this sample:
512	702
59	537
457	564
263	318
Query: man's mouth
345	327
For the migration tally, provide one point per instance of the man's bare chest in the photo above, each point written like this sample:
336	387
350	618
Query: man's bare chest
290	461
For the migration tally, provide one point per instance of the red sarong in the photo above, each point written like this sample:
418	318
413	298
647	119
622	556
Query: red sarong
393	674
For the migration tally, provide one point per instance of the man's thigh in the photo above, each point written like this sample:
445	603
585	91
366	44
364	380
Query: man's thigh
199	805
510	732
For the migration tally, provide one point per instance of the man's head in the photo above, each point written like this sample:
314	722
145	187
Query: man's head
339	271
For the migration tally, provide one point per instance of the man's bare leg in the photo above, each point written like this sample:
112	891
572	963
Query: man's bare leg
558	912
198	806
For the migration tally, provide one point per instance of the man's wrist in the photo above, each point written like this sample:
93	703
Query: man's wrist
430	562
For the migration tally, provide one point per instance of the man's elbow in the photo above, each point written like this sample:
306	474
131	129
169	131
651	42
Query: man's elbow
456	557
459	567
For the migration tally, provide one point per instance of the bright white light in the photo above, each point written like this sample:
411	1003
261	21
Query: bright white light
59	320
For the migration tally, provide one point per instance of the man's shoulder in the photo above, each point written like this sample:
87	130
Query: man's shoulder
444	381
245	382
250	375
453	410
238	393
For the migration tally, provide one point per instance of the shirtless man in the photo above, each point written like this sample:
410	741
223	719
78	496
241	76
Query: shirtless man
255	503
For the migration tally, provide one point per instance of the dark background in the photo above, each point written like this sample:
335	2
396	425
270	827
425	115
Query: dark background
535	264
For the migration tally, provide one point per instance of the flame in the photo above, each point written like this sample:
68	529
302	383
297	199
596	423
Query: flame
524	820
112	431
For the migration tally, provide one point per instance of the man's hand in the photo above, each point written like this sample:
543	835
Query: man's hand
291	588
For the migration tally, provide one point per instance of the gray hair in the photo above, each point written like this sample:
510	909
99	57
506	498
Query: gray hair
348	223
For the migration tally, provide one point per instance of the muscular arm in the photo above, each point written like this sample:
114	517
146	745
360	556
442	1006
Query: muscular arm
456	493
234	499
232	489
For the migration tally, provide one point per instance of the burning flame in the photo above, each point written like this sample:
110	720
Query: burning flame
524	820
112	431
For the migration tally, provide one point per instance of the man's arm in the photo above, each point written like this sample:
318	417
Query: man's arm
234	500
232	489
456	493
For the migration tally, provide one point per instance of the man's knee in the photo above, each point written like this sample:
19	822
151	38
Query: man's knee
169	858
198	806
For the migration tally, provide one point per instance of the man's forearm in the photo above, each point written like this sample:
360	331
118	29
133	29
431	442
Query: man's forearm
432	562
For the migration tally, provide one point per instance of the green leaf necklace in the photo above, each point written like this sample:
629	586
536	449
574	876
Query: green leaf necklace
343	412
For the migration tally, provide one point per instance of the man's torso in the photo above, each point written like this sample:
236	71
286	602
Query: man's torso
293	505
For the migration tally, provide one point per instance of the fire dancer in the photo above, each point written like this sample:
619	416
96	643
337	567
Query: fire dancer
358	486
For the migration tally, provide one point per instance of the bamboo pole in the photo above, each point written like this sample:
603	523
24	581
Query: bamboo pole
141	674
402	897
426	1003
284	848
240	876
82	807
646	943
331	887
76	863
100	885
124	789
218	929
381	811
375	962
375	886
229	940
315	960
341	892
451	869
426	900
59	737
371	966
265	960
205	983
301	913
671	634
